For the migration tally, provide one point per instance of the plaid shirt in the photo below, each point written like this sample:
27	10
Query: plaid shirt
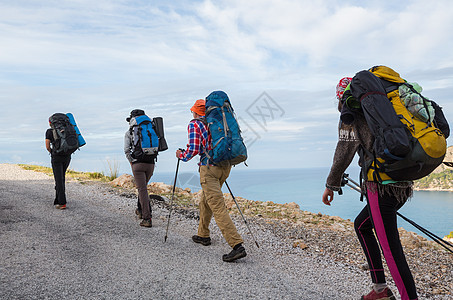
198	139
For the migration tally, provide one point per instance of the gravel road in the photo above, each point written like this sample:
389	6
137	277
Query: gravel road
95	249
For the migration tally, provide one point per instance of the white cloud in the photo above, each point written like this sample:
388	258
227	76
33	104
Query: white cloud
102	59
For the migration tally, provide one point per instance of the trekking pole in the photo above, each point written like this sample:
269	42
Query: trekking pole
245	221
171	200
428	233
434	237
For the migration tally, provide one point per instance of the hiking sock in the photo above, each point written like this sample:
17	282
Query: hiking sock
237	246
379	287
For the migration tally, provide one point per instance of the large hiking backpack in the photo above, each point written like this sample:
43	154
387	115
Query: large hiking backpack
227	146
64	134
145	142
406	146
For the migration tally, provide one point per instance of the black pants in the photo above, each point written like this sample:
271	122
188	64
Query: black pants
59	166
383	210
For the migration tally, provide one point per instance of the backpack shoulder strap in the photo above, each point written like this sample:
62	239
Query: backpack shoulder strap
55	132
206	126
202	120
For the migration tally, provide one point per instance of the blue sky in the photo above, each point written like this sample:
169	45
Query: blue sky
101	59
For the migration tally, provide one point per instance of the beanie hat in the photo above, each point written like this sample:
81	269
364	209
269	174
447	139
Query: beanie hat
341	86
135	113
199	107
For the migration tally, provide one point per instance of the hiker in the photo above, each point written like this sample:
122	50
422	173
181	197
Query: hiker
384	200
61	141
212	178
142	169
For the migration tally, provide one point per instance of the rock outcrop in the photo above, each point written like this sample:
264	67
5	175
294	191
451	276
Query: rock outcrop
125	181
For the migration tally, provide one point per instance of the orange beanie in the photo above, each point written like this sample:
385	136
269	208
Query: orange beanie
199	107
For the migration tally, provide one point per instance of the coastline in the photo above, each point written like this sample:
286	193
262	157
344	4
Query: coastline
434	189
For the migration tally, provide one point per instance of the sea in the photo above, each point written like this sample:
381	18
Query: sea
432	210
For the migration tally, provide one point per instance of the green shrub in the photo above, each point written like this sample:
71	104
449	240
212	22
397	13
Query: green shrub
96	175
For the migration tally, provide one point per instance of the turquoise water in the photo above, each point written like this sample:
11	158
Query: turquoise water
432	210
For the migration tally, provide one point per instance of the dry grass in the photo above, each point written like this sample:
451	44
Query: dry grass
97	176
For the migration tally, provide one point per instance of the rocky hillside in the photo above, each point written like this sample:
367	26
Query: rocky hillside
441	179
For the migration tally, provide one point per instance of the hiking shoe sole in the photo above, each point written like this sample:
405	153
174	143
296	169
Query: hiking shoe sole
201	240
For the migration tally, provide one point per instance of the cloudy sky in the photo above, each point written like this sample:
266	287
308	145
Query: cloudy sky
279	62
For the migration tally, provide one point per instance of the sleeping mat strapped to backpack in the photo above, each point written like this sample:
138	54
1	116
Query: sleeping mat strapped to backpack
158	123
79	135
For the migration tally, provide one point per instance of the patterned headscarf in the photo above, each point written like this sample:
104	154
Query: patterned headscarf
342	85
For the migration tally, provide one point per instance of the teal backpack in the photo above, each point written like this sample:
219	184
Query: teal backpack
227	146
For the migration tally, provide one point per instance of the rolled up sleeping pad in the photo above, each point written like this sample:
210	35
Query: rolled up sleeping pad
159	128
79	135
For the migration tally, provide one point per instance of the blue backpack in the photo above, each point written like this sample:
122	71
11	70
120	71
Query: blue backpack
227	145
145	142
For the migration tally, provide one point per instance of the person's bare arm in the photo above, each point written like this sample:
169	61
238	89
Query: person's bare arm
48	146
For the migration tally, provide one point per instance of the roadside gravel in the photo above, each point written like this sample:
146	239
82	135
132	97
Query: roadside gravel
95	249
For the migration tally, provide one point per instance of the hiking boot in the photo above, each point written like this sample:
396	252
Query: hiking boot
235	254
146	223
138	213
60	206
205	241
386	294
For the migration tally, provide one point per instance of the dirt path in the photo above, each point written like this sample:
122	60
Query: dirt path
95	249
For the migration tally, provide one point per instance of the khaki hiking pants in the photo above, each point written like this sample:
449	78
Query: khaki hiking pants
213	203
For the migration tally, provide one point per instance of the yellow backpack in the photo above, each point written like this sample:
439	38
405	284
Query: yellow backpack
426	144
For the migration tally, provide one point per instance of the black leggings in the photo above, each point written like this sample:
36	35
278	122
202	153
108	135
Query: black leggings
383	210
59	166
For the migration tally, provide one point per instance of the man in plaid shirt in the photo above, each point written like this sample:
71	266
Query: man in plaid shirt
212	178
198	141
